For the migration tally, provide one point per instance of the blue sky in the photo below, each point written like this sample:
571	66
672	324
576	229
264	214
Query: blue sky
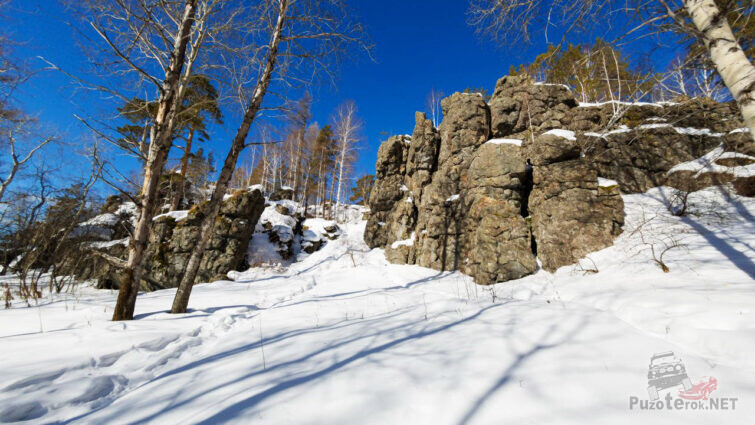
419	45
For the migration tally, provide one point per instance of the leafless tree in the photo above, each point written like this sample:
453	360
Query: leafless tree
18	159
18	138
303	35
347	127
701	20
432	104
146	38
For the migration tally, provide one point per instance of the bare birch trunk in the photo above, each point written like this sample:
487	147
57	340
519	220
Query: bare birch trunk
340	178
175	203
158	153
181	300
731	62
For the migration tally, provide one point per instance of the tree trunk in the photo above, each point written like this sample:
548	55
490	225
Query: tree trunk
158	154
8	180
731	62
332	190
340	177
181	300
180	194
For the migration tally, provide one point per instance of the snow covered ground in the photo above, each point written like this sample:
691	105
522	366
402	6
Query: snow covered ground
344	337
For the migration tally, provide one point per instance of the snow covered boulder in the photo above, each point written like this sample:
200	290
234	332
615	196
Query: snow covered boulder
283	233
116	221
283	193
281	220
316	232
553	146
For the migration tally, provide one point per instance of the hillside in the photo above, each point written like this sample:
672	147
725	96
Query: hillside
343	337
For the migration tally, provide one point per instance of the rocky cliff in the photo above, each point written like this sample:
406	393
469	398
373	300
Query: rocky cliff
532	174
250	231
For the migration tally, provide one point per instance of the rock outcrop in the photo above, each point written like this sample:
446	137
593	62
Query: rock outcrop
172	240
532	174
289	233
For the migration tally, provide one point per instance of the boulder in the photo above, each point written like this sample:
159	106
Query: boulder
518	105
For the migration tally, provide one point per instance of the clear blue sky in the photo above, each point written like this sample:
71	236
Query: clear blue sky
419	45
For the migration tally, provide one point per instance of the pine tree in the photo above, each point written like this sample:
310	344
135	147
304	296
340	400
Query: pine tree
362	188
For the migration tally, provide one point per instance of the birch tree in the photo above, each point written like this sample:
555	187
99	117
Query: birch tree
347	127
304	37
137	34
703	21
432	105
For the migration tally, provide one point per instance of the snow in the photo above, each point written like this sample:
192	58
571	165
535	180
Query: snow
740	130
108	244
515	142
603	182
176	215
345	337
404	188
107	219
698	132
452	198
287	188
541	83
707	164
680	130
262	253
405	242
566	134
616	102
99	225
274	218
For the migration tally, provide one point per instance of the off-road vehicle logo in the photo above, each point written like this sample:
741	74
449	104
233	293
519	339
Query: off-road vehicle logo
667	371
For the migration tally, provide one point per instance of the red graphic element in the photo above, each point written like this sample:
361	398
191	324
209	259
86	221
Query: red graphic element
701	390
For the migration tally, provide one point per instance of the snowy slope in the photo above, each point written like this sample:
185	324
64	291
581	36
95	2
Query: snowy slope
344	337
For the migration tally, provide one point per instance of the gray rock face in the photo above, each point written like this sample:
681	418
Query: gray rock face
282	194
453	199
389	188
519	105
171	242
499	241
570	216
639	159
